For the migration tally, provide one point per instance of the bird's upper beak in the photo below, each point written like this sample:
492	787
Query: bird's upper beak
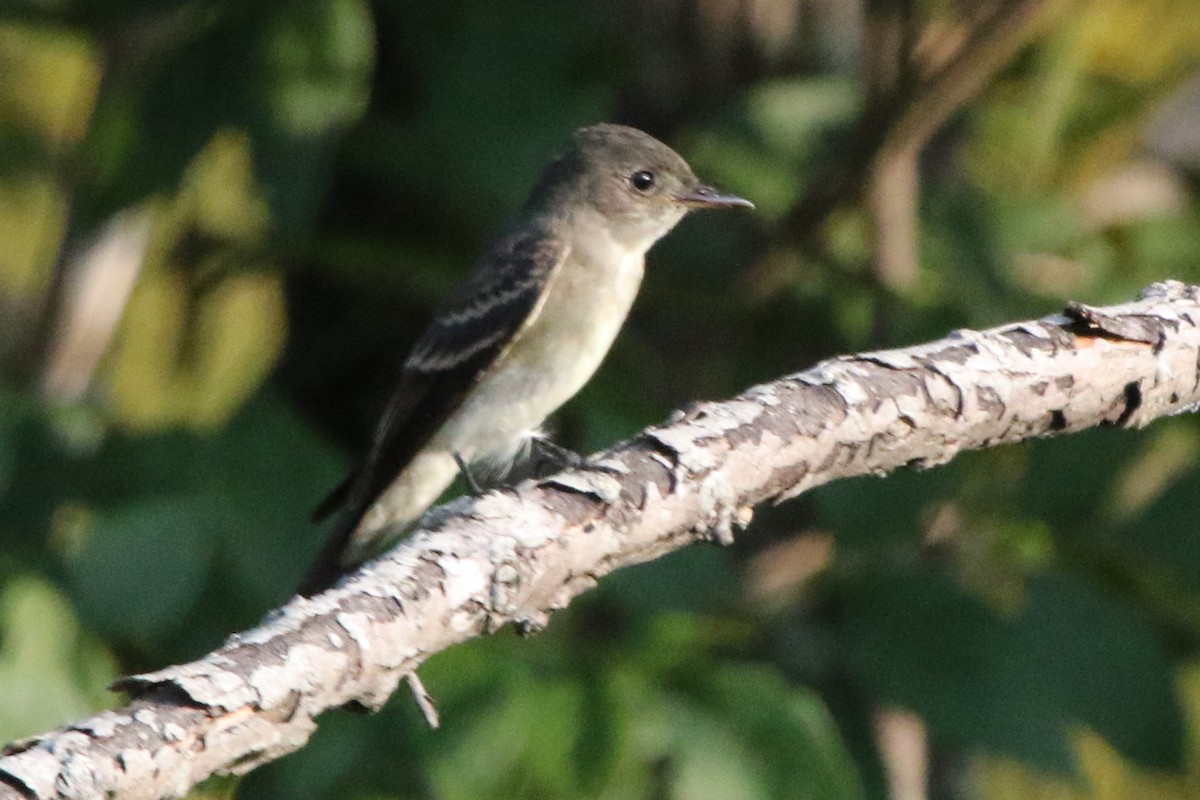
708	197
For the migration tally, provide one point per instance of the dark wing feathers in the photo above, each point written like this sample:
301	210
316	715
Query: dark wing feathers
470	331
468	334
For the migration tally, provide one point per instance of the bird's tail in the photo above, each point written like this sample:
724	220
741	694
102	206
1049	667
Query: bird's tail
411	492
338	498
327	567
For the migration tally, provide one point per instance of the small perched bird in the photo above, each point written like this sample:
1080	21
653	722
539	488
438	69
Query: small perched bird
521	334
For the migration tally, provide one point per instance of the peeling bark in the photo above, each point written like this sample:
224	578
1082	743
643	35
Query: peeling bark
517	554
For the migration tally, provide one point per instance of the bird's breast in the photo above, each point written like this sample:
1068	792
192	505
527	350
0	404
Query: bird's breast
588	299
586	306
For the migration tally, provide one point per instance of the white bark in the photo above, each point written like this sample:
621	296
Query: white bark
516	555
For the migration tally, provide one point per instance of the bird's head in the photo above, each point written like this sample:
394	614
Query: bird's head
639	186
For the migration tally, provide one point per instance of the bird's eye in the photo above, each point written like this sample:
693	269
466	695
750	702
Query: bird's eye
642	180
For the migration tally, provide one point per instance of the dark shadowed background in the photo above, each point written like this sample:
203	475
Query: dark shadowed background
223	223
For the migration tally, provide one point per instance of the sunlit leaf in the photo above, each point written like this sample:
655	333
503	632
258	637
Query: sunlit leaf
50	670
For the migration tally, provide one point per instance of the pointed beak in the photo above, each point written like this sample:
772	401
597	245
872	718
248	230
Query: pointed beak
708	197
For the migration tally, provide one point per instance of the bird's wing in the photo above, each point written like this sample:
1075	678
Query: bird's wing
474	328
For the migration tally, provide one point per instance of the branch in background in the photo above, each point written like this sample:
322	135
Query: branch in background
516	555
902	116
99	282
992	45
888	39
892	178
903	742
893	191
892	182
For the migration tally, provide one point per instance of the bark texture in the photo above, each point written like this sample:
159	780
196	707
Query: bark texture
516	555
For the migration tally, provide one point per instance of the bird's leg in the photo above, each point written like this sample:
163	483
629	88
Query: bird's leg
555	455
558	457
468	476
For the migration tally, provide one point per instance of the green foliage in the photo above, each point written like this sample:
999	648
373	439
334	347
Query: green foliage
140	516
51	670
316	174
1015	685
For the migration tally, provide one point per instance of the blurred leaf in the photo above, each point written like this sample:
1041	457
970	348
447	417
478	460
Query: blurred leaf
1118	32
709	760
216	787
1018	686
918	641
242	328
219	195
148	127
794	116
165	373
138	522
198	337
873	513
31	223
602	727
291	76
156	549
267	470
520	743
1046	224
1106	776
1069	480
1105	668
10	423
318	58
1164	245
784	131
1169	451
1165	531
50	672
745	168
695	579
50	76
784	733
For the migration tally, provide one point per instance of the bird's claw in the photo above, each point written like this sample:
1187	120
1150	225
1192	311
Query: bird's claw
556	458
468	476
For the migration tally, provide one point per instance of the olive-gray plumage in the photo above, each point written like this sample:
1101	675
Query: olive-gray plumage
521	334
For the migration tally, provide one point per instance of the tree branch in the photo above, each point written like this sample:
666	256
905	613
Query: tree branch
517	554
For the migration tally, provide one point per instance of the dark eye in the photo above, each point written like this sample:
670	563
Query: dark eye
642	180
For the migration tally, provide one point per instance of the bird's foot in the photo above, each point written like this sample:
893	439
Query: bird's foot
550	457
468	476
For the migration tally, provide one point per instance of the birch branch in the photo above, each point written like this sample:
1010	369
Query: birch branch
516	555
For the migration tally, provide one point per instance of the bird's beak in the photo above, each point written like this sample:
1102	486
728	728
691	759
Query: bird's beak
708	197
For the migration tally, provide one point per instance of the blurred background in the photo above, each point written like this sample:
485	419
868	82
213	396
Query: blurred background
223	223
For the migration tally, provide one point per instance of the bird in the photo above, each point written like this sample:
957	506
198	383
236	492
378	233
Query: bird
522	332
